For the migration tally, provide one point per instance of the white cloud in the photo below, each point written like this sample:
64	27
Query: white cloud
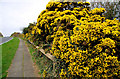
16	14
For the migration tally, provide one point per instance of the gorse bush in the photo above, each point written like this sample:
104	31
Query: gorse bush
48	18
82	38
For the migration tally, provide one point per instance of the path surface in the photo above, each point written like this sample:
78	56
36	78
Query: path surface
22	65
5	39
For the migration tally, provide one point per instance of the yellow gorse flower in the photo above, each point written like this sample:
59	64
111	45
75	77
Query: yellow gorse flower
86	41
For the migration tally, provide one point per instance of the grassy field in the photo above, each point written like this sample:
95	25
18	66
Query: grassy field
41	61
8	51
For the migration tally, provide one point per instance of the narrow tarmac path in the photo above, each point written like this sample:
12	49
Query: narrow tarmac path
22	65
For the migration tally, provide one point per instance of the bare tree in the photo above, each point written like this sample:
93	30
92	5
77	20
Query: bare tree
112	8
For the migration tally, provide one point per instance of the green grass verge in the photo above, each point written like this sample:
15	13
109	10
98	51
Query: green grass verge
8	51
41	61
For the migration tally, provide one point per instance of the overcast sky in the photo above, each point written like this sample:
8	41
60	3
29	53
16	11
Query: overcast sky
17	14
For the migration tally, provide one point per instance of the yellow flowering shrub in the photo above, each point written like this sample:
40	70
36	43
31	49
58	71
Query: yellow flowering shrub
89	51
86	42
44	73
47	21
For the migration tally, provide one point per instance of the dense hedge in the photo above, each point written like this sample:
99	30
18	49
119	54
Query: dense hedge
82	38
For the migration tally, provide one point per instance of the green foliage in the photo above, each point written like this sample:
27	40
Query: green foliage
43	63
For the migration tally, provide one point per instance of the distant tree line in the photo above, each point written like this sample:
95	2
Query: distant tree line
1	34
15	34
